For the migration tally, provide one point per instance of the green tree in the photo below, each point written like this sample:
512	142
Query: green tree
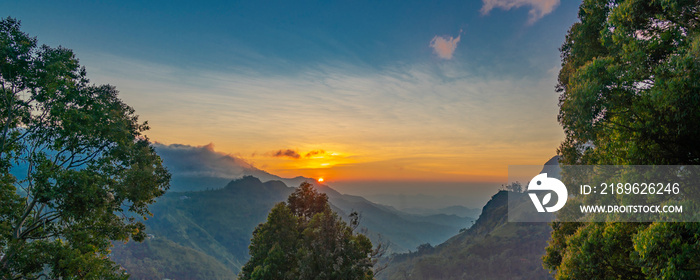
305	239
75	169
630	94
273	246
629	83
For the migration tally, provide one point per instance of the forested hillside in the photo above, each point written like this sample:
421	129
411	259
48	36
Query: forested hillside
491	249
219	223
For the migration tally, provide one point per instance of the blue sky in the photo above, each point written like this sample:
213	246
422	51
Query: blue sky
284	37
393	90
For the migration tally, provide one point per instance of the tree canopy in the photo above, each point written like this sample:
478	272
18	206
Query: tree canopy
305	239
76	170
629	83
630	95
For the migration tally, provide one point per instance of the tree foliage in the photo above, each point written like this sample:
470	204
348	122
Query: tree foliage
514	187
630	94
629	84
75	169
305	239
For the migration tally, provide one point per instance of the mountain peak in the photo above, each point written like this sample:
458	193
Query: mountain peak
245	180
482	251
551	167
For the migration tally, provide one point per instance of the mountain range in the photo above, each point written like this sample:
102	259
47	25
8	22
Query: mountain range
219	223
491	249
201	169
198	217
208	218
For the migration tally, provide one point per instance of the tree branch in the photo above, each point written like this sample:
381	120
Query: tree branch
27	211
6	128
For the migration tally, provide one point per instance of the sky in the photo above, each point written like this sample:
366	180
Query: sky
356	92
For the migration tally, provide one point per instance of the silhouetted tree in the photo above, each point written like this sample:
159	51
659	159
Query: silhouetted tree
514	187
306	202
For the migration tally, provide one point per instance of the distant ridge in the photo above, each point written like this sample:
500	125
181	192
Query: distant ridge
220	222
492	248
197	168
218	219
552	168
457	210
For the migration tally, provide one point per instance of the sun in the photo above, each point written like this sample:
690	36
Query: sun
320	180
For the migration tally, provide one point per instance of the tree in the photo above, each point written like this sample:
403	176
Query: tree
514	187
629	85
305	239
273	246
306	202
75	169
629	95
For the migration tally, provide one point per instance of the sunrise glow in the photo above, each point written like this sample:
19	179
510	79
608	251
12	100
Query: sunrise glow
439	103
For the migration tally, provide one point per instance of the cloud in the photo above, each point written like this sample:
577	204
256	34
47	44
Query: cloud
374	114
287	153
538	8
209	147
444	47
341	104
186	160
201	167
315	153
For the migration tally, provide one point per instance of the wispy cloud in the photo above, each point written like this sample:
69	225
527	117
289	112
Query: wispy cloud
287	153
445	47
419	110
330	105
538	8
